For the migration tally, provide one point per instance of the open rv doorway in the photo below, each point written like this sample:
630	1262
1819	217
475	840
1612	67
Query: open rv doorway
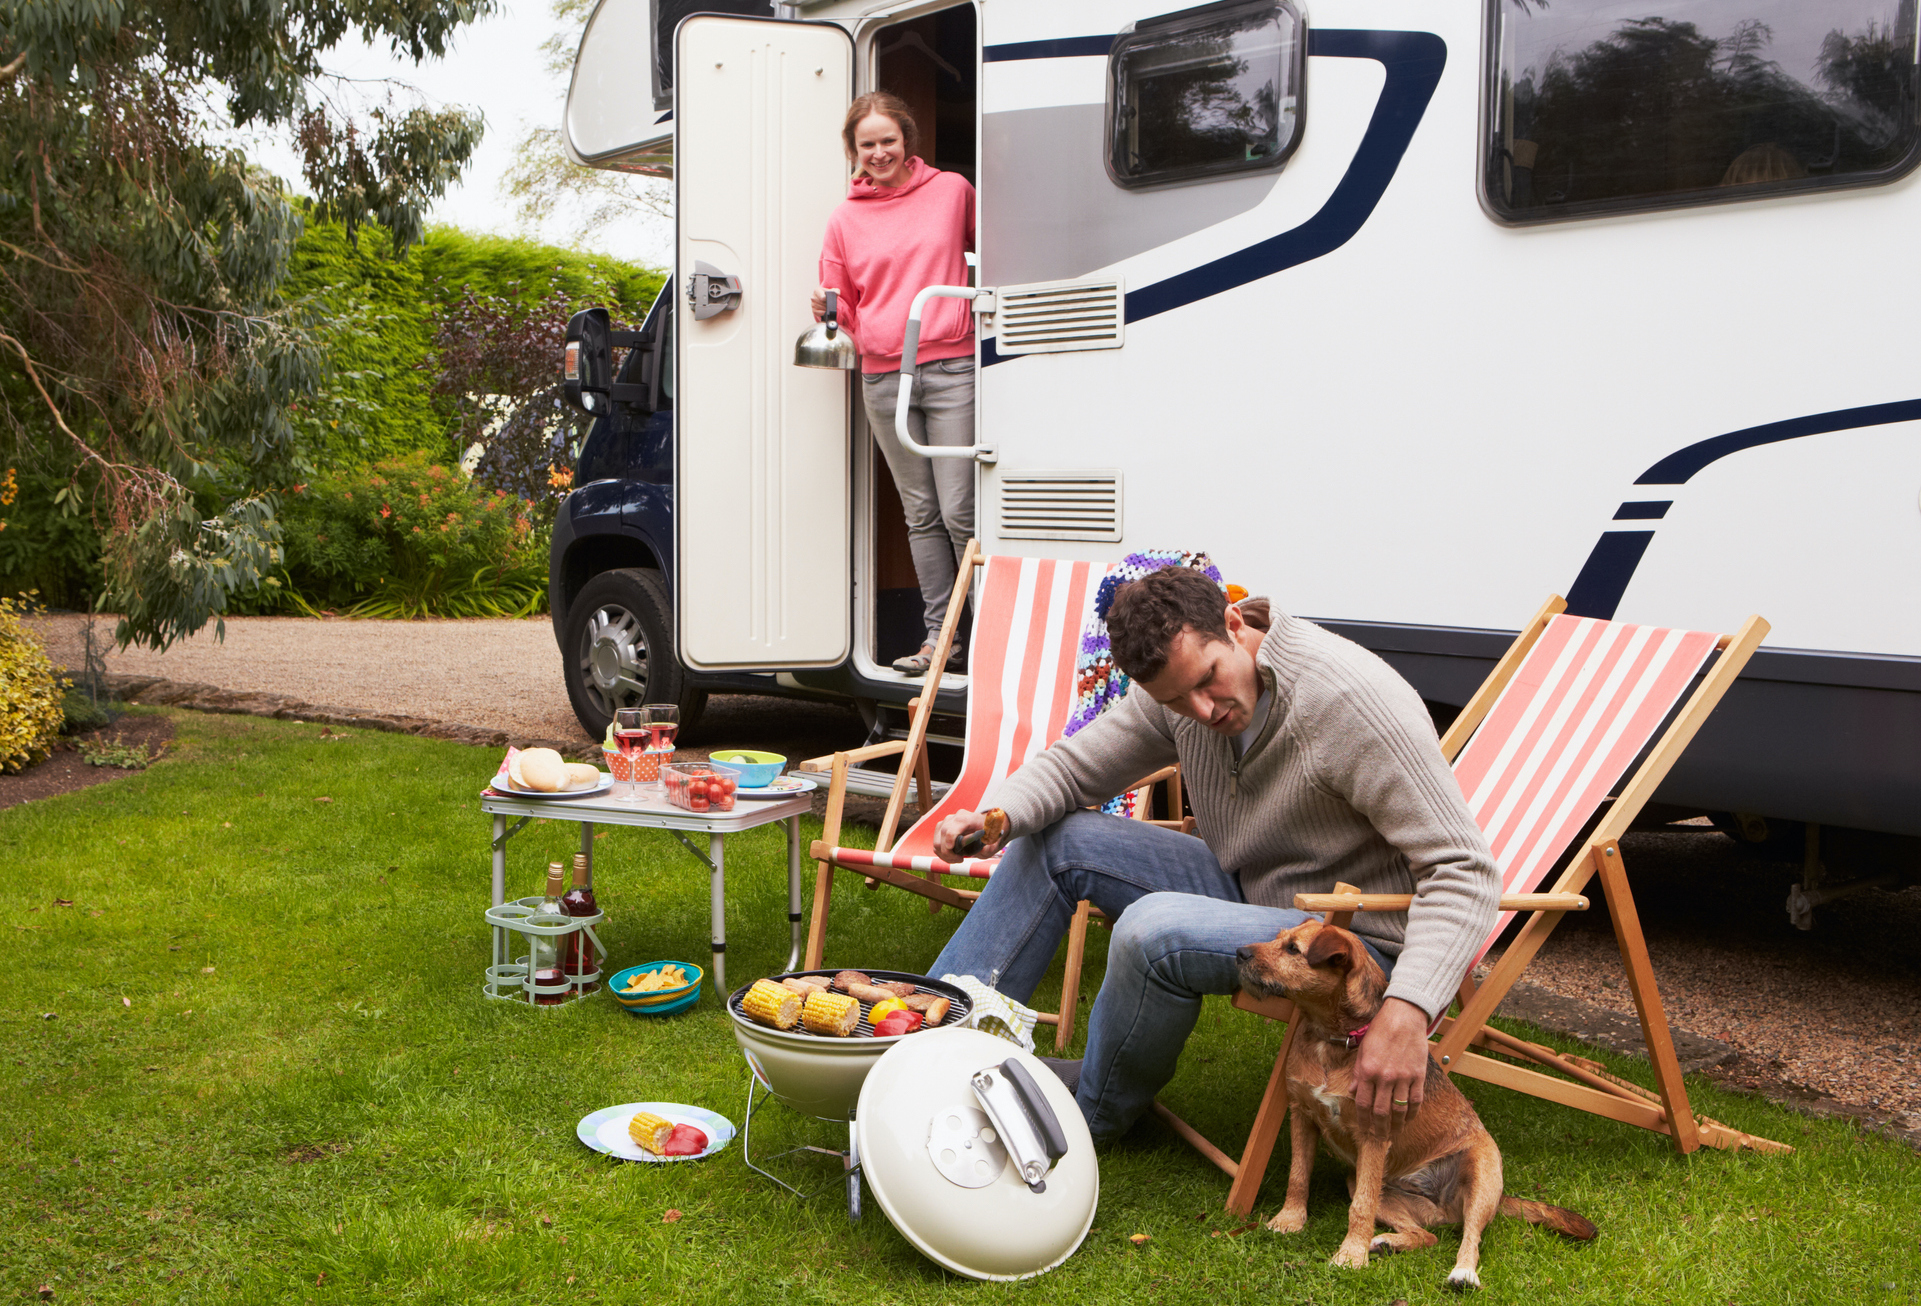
931	62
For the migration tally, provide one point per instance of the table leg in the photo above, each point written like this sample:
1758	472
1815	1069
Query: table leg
500	859
793	889
587	850
717	857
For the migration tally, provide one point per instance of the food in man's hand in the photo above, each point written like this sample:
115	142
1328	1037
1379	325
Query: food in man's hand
580	775
538	769
770	1004
685	1141
650	1131
657	981
897	1022
834	1014
993	827
931	1005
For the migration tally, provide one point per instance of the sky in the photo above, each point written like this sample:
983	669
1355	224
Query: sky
496	66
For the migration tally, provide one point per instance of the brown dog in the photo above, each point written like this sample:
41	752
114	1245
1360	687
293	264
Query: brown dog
1442	1167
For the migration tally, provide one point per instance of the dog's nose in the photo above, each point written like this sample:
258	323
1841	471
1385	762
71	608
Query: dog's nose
1245	953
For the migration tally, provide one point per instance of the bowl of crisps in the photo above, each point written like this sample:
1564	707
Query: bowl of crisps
658	988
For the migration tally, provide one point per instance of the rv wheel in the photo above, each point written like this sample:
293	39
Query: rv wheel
617	650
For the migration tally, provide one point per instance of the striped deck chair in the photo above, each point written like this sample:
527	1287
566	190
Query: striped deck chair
1027	626
1538	752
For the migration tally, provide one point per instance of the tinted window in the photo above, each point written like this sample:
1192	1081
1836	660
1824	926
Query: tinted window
667	16
1603	106
1204	92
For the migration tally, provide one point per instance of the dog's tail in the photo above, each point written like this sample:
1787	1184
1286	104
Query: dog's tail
1558	1218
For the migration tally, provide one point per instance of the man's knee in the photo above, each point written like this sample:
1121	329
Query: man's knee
1146	928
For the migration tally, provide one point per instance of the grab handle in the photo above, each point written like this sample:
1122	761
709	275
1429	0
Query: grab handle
910	349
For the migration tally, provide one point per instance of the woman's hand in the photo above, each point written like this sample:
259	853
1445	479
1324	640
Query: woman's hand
819	302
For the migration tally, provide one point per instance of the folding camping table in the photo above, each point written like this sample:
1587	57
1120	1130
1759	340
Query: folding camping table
659	814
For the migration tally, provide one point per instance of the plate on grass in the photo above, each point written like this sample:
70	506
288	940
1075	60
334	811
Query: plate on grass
605	1130
784	786
502	786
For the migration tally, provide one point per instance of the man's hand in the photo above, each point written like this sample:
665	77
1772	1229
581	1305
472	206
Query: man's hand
952	830
1391	1069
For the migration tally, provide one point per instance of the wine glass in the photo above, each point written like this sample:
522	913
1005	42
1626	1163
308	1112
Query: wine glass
630	735
663	723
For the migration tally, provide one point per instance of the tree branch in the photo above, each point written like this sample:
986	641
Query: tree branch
8	70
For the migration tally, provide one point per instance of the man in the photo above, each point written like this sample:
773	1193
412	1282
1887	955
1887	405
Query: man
1308	761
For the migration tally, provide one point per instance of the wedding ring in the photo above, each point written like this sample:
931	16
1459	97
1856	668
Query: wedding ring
1401	1101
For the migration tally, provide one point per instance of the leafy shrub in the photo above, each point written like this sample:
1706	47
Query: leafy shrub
30	693
79	712
409	538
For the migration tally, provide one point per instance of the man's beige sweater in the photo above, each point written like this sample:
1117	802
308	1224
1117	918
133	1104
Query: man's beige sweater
1344	782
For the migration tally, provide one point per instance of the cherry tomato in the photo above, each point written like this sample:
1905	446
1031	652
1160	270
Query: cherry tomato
699	805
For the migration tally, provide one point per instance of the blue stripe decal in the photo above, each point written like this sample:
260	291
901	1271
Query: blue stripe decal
1597	591
1072	47
1604	578
1414	61
1676	468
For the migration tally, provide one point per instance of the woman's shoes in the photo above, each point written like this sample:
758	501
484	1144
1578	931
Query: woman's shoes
918	663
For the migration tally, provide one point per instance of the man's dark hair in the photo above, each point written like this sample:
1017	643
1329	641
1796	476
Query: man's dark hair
1149	614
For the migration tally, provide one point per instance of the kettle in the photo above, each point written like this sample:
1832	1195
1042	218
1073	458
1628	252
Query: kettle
824	344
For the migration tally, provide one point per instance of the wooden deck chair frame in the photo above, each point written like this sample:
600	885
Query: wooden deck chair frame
1465	1039
913	771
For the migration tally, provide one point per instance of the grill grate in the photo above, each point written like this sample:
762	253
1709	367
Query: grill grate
1054	317
865	1029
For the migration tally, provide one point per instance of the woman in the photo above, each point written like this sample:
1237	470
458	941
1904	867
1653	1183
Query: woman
905	225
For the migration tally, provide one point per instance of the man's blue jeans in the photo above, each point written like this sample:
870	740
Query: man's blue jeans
1178	919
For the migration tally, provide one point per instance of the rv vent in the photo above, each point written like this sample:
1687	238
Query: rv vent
1060	506
1054	316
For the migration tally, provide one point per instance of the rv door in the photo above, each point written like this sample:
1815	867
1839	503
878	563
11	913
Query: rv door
763	569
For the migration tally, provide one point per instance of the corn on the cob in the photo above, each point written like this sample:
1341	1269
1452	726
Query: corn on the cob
650	1131
831	1013
770	1004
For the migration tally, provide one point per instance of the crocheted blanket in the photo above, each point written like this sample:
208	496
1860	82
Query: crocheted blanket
1098	683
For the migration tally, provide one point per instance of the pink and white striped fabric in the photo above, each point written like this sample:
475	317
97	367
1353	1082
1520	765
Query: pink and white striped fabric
1028	617
1584	703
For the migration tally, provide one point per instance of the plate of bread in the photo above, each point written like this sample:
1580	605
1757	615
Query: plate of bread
543	773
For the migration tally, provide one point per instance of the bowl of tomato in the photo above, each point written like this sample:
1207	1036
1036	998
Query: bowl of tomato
700	786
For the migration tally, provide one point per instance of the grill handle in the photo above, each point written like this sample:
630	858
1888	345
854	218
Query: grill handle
1028	1127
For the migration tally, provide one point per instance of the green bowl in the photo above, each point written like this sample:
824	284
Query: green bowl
757	769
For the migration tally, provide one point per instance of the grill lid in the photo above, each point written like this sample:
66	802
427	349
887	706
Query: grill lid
1018	1195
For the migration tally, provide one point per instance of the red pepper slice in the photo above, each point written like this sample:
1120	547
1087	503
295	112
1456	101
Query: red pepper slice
685	1141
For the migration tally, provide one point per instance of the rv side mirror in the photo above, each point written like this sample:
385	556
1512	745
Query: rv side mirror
587	369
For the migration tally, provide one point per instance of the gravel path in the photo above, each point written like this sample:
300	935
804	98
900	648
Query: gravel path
1831	1016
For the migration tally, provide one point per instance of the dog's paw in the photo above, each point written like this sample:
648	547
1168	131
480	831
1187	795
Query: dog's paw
1288	1221
1464	1280
1383	1245
1352	1256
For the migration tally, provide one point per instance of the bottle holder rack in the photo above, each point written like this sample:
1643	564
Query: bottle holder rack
511	978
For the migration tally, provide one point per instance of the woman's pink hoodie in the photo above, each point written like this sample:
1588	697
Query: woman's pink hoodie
883	245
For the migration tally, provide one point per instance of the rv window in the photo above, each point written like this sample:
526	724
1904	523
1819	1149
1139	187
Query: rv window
1595	106
1205	92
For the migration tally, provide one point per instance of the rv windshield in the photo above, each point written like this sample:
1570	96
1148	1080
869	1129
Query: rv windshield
1604	106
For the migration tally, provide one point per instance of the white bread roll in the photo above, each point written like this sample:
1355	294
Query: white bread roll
542	770
581	775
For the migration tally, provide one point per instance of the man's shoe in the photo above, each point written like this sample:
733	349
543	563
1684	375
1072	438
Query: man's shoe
1068	1072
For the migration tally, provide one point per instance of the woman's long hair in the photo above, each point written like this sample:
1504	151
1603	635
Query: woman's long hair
888	106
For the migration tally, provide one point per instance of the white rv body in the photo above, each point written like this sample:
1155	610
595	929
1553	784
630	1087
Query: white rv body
1372	400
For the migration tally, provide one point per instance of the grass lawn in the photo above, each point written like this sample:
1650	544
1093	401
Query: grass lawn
254	1065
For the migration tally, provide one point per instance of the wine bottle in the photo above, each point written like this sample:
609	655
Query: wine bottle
581	958
544	952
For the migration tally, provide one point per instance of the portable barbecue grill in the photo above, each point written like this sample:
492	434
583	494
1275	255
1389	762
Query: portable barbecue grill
820	1075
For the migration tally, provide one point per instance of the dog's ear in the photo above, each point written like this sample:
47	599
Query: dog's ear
1331	946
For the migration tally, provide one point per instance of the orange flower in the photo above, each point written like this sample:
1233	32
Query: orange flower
385	511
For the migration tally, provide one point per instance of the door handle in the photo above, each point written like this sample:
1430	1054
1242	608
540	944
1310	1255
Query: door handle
910	349
711	292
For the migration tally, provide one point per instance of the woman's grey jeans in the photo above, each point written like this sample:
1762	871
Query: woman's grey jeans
938	493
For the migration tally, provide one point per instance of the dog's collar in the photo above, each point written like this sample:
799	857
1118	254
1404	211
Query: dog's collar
1351	1039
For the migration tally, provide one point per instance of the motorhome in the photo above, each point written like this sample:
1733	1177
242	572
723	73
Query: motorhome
1409	312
